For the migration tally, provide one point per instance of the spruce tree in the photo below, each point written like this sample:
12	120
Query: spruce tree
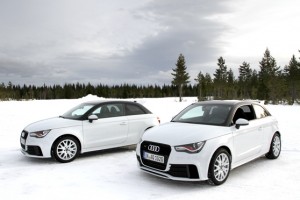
181	77
292	73
220	79
244	79
267	77
200	82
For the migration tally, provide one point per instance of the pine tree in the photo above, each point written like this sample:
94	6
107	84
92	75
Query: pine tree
231	90
292	73
181	77
200	80
244	79
267	77
208	86
220	79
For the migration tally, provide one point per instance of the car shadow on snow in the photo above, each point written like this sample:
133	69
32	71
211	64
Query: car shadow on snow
95	154
173	183
104	152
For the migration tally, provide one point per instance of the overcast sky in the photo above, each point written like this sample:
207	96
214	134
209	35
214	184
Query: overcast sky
139	41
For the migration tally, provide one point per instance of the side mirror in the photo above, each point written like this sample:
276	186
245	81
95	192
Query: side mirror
91	118
241	122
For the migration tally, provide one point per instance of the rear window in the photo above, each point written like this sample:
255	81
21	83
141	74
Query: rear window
133	110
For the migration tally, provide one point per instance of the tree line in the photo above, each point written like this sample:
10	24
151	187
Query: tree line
270	83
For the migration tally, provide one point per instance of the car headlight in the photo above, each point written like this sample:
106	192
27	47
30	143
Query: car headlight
190	148
39	134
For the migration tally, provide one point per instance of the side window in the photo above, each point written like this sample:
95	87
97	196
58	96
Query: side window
133	110
109	110
244	112
260	112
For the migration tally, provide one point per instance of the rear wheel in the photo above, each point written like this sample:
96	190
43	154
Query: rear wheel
66	149
275	147
219	167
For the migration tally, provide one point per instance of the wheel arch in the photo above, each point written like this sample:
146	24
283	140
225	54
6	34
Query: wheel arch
223	147
278	133
149	127
67	135
212	155
209	171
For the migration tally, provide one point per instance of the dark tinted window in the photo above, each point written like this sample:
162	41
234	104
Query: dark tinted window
109	110
133	110
244	112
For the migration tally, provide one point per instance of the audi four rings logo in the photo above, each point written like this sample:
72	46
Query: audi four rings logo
153	148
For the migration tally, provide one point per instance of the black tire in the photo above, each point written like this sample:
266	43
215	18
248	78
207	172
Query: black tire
65	149
275	147
219	167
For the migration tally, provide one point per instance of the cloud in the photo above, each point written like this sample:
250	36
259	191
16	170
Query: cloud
135	41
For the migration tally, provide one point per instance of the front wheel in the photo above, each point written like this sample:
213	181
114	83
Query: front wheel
65	149
219	167
275	147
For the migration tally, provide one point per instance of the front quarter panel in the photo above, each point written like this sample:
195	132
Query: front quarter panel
210	147
201	159
47	142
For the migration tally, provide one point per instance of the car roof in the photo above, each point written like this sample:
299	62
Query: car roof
228	102
108	101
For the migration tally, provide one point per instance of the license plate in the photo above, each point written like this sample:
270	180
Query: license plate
23	141
153	157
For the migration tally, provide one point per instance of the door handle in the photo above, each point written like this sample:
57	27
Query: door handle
123	123
260	128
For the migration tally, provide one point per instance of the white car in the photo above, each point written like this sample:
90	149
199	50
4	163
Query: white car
208	139
88	127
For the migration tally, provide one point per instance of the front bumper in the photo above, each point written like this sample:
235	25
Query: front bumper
32	151
35	147
179	165
176	172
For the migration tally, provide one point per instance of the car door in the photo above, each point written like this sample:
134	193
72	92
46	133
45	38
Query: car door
267	124
111	128
138	122
247	139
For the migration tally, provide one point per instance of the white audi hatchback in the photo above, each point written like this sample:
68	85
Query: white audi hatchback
88	127
208	139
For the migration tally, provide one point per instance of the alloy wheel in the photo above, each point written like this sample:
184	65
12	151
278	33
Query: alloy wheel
276	145
66	149
221	167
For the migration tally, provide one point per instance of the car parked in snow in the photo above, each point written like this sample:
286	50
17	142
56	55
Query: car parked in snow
208	139
88	127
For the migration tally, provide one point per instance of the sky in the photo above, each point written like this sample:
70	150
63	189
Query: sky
139	41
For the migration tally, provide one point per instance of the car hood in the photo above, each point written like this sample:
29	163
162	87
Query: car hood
175	133
52	123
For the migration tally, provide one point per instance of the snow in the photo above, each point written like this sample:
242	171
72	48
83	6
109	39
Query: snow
113	174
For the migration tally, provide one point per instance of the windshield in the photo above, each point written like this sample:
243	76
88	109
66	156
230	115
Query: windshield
211	114
78	111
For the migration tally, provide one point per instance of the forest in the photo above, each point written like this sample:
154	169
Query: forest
271	83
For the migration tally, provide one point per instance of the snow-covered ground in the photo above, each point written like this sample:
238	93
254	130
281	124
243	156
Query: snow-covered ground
113	174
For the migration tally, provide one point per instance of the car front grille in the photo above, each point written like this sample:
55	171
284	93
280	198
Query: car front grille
24	136
164	150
